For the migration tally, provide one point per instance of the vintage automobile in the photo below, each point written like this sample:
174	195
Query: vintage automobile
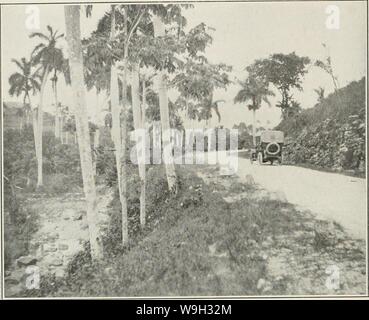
269	144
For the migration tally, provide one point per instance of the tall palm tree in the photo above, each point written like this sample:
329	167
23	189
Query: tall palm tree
46	55
60	65
256	91
24	82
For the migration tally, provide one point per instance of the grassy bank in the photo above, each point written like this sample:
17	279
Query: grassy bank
198	244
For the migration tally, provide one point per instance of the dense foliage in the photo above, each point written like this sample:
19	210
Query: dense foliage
61	161
332	134
285	72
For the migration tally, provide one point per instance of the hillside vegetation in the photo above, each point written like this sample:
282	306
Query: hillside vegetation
330	135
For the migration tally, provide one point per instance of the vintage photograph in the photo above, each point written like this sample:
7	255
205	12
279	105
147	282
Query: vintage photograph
195	149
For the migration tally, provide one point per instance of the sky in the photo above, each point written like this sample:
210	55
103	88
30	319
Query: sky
243	32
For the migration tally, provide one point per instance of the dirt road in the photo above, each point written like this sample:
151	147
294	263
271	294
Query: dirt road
328	195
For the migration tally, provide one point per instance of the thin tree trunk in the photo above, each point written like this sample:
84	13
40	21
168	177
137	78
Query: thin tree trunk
61	126
97	138
34	126
21	124
24	113
40	124
138	125
98	107
57	119
119	133
96	145
72	22
159	30
143	170
253	127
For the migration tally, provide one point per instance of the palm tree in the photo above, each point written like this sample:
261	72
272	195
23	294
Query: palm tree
60	65
47	56
24	82
257	91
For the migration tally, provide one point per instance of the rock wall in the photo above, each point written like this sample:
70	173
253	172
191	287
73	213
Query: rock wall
330	144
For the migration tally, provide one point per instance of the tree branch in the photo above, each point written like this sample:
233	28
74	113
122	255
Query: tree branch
135	24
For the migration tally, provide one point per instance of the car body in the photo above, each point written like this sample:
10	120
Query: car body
269	144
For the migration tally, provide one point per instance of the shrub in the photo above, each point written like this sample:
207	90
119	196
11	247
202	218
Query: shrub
332	134
19	225
20	163
156	194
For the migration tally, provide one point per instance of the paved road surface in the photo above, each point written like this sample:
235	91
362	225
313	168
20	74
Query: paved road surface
329	195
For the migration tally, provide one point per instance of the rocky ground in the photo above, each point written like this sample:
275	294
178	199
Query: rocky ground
61	234
314	257
242	240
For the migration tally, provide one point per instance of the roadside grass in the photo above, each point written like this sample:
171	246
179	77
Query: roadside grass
193	245
197	244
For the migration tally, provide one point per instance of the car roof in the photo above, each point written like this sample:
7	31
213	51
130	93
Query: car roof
272	136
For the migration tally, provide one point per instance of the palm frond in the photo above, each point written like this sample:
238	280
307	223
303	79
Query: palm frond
19	64
38	35
50	29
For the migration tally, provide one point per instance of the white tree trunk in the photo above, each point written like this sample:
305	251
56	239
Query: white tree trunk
40	125
253	127
138	125
143	170
34	125
159	31
61	126
96	145
21	124
73	32
119	136
97	138
57	119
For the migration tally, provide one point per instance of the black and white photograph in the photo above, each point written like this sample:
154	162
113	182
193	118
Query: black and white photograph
184	150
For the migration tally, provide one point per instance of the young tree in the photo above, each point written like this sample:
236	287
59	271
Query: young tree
285	72
255	90
138	111
72	23
117	28
159	31
320	94
196	83
168	48
328	68
119	130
